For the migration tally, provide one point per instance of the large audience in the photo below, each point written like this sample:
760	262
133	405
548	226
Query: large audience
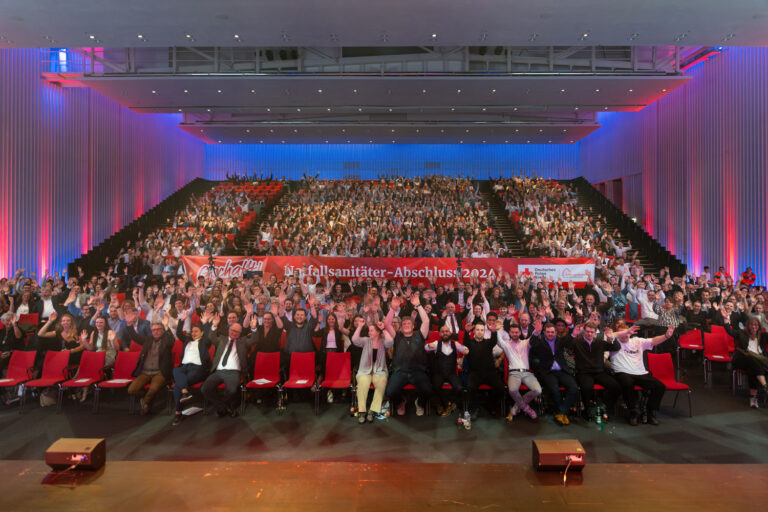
432	216
544	344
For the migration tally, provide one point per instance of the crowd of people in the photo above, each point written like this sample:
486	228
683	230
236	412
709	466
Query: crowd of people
445	339
432	216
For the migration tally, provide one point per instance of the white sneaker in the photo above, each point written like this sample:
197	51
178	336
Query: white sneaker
329	396
419	409
753	402
515	410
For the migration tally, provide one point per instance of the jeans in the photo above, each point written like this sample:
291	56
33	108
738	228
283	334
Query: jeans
552	382
184	376
400	378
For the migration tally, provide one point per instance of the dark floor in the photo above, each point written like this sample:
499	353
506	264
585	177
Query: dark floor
723	430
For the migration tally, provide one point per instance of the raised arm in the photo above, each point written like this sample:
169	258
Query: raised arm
416	303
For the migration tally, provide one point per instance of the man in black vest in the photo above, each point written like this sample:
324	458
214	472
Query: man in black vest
482	368
444	369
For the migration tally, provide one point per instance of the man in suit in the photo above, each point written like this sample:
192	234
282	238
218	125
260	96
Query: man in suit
549	365
454	321
155	364
229	363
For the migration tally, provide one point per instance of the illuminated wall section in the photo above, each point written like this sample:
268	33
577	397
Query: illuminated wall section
703	155
75	167
367	160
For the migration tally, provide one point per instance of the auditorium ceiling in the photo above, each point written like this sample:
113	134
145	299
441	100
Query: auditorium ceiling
363	71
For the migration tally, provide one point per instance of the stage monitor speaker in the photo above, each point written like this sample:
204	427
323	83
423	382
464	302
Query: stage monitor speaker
81	452
555	454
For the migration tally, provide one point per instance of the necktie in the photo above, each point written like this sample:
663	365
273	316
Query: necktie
226	354
453	325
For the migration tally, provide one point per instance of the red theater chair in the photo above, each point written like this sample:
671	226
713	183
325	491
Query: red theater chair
716	349
91	371
660	366
302	371
338	374
20	368
54	372
266	374
125	363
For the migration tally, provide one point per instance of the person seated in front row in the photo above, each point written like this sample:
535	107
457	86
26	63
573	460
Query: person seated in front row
550	367
444	361
589	353
409	360
195	362
629	370
229	364
519	372
155	364
481	367
372	368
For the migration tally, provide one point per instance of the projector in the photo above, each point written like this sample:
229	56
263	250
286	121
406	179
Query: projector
82	453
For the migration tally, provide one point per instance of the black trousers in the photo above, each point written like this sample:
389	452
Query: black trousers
648	382
612	388
491	378
400	378
552	381
225	399
752	364
445	395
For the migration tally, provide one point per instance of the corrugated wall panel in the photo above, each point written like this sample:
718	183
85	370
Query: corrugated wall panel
703	155
75	167
556	161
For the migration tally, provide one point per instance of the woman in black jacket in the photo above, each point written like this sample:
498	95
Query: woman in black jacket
750	355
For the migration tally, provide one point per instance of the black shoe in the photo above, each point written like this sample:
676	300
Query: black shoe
361	418
369	417
234	412
633	420
652	420
185	397
177	418
221	413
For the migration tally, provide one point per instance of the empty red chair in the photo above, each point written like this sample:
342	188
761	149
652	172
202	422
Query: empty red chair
716	349
720	331
302	371
338	374
125	363
20	368
266	374
54	372
660	366
91	371
691	340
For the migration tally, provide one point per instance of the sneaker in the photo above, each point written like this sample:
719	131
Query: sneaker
379	416
329	396
753	402
530	412
144	407
177	418
515	410
561	419
185	397
401	408
652	420
419	409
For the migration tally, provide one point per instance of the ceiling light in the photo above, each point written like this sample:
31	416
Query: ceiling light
218	91
605	108
458	91
219	142
240	141
515	109
631	90
393	142
154	92
423	91
370	141
347	142
298	110
282	142
506	142
585	35
295	130
236	36
343	130
564	130
483	109
571	142
328	109
549	141
271	130
597	90
354	91
442	131
179	110
483	142
540	130
320	91
326	142
91	37
663	90
493	91
253	91
452	109
393	130
390	110
189	36
434	36
186	91
261	142
517	130
208	109
417	130
461	142
140	36
467	131
359	109
248	130
528	141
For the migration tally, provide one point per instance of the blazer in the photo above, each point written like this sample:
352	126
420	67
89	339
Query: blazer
742	340
242	345
203	345
541	358
165	356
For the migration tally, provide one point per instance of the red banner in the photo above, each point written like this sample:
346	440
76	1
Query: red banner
444	270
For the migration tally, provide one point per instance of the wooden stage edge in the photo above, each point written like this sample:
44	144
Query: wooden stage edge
341	486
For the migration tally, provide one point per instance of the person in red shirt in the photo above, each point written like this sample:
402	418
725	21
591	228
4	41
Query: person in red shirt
721	275
748	277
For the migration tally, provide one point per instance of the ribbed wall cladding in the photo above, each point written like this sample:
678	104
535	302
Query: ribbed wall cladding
479	160
703	155
75	167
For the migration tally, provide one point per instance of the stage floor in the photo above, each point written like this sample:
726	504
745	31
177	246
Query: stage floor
339	487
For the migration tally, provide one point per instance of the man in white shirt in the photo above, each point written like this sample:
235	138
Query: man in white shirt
519	372
629	370
195	363
229	364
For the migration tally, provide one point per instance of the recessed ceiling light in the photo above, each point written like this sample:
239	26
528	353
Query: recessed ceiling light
295	130
417	130
549	141
91	37
282	142
269	109
585	34
515	109
186	91
597	90
393	142
434	36
575	108
248	130
347	142
631	90
320	91
140	36
452	109
605	108
354	91
326	142
370	141
506	142
442	131
328	109
218	91
189	36
528	141
517	130
393	130
483	142
359	109
261	142
208	109
236	36
240	141
390	110
493	91
461	142
298	110
343	130
458	91
271	130
253	91
540	130
483	109
663	90
466	131
423	91
154	91
571	141
179	110
564	130
219	142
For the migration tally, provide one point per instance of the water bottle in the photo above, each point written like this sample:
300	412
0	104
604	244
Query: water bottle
599	417
467	420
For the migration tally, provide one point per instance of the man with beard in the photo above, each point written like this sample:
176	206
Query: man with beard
444	370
